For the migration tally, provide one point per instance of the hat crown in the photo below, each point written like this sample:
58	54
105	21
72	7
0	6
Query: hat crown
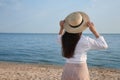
76	22
75	19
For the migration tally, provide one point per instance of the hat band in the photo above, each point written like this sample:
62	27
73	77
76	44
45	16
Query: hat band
77	25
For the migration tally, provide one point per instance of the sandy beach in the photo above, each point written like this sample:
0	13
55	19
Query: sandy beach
17	71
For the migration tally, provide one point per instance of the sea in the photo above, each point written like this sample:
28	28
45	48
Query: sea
43	48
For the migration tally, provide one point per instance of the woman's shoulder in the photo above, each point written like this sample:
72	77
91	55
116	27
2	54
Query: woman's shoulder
84	37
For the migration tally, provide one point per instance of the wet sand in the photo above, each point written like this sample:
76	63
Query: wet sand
17	71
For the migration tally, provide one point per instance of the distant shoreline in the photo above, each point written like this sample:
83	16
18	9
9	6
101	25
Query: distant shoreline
41	48
56	33
50	64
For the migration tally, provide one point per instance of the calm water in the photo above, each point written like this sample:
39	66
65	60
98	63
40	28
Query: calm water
44	49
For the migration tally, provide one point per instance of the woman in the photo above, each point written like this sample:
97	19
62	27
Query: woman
75	45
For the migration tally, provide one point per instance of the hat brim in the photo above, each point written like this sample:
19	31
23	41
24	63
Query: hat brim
79	29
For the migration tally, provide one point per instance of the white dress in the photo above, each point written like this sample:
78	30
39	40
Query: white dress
76	67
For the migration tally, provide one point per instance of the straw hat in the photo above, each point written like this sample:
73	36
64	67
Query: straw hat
76	22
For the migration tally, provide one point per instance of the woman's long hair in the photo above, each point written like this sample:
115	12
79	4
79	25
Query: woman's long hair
69	42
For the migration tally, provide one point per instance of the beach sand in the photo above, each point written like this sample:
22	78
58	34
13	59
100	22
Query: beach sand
17	71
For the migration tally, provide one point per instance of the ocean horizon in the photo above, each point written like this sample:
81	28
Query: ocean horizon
42	48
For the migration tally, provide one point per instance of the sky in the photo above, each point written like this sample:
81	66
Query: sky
43	16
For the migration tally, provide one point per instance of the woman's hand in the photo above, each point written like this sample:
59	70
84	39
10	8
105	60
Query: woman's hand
92	29
61	26
91	26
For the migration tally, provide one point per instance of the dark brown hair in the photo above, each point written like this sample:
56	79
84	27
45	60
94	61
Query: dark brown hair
69	42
